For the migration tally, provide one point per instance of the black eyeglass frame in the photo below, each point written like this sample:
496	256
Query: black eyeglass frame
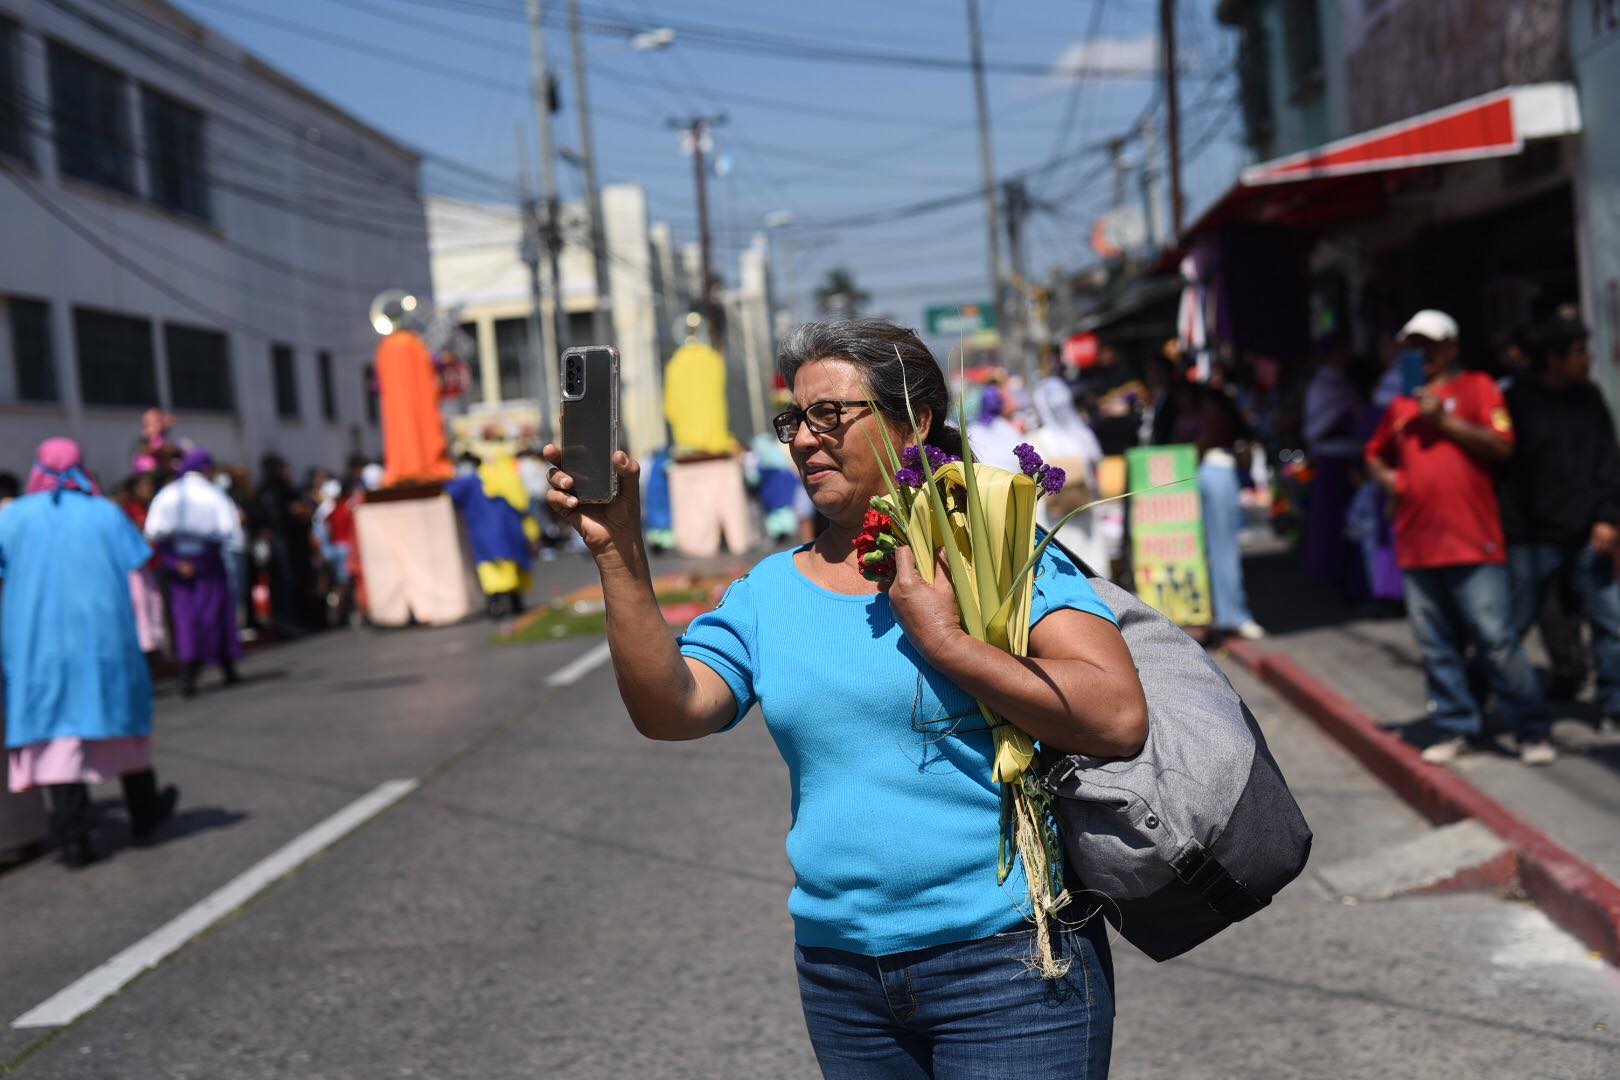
787	423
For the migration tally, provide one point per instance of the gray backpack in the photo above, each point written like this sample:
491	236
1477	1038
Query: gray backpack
1199	830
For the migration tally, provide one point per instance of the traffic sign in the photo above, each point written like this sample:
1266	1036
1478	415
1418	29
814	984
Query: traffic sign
1081	350
958	320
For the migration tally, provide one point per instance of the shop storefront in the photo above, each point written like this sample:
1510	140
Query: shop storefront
1470	208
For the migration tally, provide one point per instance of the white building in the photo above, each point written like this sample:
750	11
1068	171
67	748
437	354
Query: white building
478	274
181	225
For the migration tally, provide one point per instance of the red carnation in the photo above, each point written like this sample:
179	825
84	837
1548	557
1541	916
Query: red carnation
880	568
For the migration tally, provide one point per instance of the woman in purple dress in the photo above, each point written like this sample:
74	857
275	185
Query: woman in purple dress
195	527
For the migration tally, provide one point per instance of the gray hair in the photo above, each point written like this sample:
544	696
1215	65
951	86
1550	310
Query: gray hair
893	359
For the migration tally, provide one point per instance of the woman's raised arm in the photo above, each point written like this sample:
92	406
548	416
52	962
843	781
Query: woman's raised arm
668	696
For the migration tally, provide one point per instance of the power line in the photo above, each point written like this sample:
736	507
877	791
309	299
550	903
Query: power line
1093	32
799	48
156	281
355	164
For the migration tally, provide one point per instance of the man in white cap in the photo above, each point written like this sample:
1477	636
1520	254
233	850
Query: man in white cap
1436	452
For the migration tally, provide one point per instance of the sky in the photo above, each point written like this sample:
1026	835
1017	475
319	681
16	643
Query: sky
850	149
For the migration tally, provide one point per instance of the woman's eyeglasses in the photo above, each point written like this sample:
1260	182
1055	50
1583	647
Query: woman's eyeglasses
821	416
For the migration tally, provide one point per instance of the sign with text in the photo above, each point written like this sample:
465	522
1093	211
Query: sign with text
1167	533
959	320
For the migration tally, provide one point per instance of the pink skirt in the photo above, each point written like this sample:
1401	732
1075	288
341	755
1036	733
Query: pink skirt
77	761
146	595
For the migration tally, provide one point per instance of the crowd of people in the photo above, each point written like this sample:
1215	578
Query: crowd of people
180	562
1487	504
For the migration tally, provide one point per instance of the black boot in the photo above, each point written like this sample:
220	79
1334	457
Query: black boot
229	667
188	678
71	823
147	806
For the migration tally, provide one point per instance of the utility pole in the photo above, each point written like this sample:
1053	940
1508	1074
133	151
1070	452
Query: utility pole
1167	32
697	135
1122	168
1016	198
602	314
1151	198
550	234
541	345
987	168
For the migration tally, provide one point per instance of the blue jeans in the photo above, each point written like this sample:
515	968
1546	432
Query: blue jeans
1218	489
1590	579
965	1011
1451	607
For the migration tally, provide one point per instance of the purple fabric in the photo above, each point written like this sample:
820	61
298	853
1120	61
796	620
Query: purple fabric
203	610
1327	550
197	460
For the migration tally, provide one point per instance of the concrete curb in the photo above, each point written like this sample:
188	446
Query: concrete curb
1572	892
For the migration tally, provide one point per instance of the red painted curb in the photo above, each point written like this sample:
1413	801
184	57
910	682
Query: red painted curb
1572	892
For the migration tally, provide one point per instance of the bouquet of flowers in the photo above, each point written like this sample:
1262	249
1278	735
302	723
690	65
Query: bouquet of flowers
983	519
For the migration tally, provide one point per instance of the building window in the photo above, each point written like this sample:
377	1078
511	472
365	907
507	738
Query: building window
284	372
323	371
1303	27
174	155
91	120
115	359
199	368
32	357
512	358
13	128
1254	67
369	382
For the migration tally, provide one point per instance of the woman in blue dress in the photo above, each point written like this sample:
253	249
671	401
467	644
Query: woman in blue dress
912	958
78	695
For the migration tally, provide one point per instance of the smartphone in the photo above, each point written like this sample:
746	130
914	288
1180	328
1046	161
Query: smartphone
590	421
1412	377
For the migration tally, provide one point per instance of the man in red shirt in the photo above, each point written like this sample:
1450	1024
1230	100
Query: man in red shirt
1436	451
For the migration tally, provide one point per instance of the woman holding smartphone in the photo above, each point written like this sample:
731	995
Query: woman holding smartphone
911	957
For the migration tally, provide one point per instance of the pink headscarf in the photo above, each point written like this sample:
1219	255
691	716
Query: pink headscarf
59	466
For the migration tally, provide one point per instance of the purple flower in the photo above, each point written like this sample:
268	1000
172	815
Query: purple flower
910	478
1053	479
1028	460
911	458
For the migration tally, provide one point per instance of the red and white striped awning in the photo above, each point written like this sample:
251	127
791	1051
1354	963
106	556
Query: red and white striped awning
1491	125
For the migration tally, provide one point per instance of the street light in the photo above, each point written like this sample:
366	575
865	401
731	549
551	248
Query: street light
776	221
653	40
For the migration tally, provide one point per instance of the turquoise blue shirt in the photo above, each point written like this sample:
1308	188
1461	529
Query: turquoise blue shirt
895	817
72	661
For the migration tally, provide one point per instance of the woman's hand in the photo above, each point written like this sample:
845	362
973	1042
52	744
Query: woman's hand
603	526
926	610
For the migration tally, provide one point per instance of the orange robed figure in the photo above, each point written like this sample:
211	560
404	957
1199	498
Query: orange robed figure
414	447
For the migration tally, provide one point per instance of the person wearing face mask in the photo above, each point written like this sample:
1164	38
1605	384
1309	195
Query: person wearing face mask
1561	498
869	693
1437	452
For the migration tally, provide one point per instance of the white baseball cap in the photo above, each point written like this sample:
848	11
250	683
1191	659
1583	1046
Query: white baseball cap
1430	324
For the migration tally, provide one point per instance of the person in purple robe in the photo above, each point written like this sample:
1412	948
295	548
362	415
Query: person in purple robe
196	528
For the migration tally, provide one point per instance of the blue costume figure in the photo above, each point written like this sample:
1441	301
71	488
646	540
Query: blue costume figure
78	693
495	505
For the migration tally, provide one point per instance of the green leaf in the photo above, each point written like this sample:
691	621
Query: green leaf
984	569
966	597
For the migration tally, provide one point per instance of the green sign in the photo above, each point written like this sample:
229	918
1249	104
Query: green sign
1167	532
960	320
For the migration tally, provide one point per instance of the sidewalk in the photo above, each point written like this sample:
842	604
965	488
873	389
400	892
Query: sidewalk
1374	665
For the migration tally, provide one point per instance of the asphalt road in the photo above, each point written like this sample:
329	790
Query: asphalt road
560	898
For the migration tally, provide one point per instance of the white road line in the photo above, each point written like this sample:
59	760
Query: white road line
576	669
68	1004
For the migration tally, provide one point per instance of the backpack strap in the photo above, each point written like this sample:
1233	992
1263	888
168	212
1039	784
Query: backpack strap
1203	872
